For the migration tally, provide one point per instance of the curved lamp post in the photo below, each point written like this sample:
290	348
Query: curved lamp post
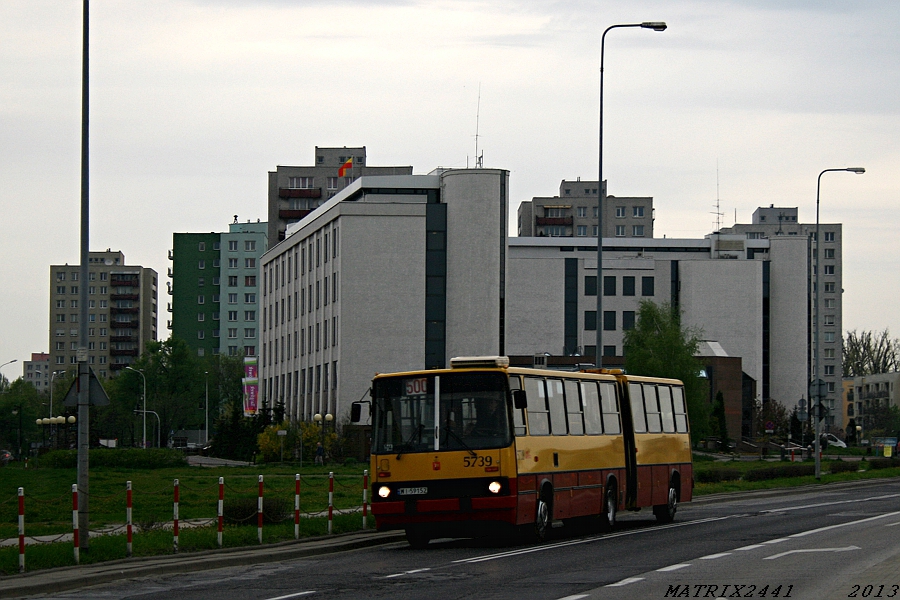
141	373
655	26
817	383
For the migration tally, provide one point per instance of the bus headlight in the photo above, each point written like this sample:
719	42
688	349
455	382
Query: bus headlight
494	487
384	491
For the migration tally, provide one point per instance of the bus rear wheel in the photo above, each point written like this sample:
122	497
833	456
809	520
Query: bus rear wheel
665	513
608	518
542	519
417	538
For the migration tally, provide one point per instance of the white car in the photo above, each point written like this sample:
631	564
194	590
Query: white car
833	440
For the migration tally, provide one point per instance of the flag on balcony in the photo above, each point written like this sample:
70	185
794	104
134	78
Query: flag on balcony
345	167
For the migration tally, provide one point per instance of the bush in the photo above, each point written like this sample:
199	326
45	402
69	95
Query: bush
841	466
243	511
124	458
716	475
884	463
777	472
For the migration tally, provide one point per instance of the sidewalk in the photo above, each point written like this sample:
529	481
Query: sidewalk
66	578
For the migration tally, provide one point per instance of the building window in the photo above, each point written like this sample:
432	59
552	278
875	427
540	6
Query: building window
201	300
638	231
590	285
232	245
250	281
332	183
829	236
829	287
829	336
201	316
303	183
249	299
609	285
638	211
581	231
581	211
828	353
830	302
620	231
201	264
609	350
627	319
249	263
201	335
829	319
620	212
232	298
590	320
249	315
628	286
829	252
232	315
201	246
250	245
594	231
829	369
249	332
609	320
232	263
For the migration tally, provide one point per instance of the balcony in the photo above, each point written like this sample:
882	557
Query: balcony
171	255
293	213
553	221
299	193
124	297
168	307
132	310
126	324
123	338
169	324
124	279
128	352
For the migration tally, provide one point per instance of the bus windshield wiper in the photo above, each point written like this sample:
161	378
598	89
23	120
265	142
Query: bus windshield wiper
415	432
459	439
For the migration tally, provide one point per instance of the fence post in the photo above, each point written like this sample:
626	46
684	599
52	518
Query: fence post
330	500
128	518
221	515
297	506
365	498
75	537
175	520
259	511
22	530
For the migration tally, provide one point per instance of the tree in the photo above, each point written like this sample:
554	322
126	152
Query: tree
20	406
868	353
659	346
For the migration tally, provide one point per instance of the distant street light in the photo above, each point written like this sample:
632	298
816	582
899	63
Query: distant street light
655	26
817	377
141	373
206	441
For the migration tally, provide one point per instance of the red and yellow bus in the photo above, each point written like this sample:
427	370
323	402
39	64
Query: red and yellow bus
482	447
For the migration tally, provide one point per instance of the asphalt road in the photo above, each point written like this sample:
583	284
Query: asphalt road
813	543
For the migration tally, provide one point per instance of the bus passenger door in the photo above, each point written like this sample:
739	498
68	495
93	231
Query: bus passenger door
631	479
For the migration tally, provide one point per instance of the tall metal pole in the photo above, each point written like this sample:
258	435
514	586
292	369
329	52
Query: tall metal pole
83	366
655	26
144	378
817	345
206	440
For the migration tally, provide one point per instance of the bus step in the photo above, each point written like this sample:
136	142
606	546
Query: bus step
556	524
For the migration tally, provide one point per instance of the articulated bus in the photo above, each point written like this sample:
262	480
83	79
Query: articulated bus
483	447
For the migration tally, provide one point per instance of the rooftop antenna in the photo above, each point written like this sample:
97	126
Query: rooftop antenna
479	160
718	211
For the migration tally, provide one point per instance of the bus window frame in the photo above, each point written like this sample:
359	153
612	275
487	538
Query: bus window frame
537	411
556	406
615	405
682	425
664	393
595	404
639	421
574	411
651	408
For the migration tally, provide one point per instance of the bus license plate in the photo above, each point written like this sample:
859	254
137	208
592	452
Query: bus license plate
415	491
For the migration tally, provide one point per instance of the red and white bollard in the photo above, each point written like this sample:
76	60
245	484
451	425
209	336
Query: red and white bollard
330	500
221	515
175	520
128	530
22	530
365	498
75	533
259	511
297	506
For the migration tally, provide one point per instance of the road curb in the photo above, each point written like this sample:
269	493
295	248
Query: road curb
67	578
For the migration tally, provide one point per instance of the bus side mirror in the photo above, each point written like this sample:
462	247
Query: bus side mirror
520	400
355	412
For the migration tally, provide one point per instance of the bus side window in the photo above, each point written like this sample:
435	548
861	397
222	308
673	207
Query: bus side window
573	407
538	419
610	408
651	405
556	404
665	409
681	423
593	422
637	407
515	384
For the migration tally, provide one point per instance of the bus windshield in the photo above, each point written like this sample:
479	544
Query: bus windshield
470	412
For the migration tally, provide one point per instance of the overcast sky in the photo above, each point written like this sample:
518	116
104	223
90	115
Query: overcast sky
194	101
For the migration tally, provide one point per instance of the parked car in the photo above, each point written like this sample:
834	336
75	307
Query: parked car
833	440
5	457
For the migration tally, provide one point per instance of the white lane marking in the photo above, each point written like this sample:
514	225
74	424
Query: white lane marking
836	502
750	547
892	524
575	597
625	582
406	573
293	595
715	556
674	567
804	550
776	541
511	553
821	529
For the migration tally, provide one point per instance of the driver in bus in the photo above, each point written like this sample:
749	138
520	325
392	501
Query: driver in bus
489	419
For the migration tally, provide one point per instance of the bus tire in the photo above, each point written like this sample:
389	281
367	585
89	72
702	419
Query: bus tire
608	517
665	513
417	538
542	517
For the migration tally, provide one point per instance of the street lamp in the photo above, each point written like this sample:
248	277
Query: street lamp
318	418
206	441
9	362
141	373
655	26
817	378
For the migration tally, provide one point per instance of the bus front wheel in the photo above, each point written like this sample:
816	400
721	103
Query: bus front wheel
542	519
608	518
665	513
